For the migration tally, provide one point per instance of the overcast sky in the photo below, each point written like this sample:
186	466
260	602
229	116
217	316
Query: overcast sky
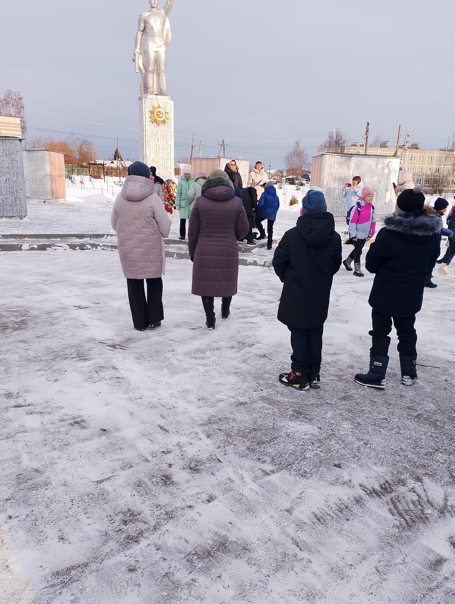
259	75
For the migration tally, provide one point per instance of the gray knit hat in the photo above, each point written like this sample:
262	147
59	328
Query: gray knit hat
218	173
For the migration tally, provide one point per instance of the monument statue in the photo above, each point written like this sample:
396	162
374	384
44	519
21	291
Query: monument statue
153	36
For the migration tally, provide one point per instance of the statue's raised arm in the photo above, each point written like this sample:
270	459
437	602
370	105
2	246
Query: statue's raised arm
152	39
168	6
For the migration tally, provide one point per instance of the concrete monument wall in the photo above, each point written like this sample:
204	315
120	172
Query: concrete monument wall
13	203
156	123
330	171
44	174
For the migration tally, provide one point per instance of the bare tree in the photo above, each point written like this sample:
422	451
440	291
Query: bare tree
39	142
436	184
376	142
77	151
335	141
296	161
12	104
84	152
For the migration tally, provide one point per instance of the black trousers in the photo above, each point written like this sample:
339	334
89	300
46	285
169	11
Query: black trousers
382	326
208	304
356	253
182	227
249	237
450	253
306	347
270	224
144	311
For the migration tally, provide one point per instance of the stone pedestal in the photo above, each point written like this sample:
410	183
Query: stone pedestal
44	174
156	122
13	203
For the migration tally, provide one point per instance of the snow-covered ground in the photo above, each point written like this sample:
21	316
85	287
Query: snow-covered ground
172	467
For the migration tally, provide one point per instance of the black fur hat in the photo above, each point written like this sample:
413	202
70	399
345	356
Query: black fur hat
440	203
410	200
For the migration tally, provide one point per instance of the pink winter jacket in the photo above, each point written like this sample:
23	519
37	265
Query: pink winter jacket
141	222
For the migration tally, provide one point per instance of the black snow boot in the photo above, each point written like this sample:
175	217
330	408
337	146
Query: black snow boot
207	303
225	307
429	282
408	370
375	378
314	377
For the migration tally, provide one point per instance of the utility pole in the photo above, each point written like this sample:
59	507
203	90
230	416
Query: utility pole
200	148
192	149
118	166
367	132
398	141
222	147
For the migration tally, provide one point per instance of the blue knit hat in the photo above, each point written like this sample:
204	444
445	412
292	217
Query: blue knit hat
139	169
314	201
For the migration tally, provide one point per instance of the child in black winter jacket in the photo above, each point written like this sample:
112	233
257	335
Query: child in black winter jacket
401	257
305	260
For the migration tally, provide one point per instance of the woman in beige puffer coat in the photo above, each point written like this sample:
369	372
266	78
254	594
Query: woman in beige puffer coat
141	223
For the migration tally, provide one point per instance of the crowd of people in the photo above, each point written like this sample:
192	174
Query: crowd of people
222	212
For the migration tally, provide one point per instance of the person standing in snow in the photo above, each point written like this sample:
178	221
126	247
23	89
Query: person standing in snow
306	260
450	252
257	178
405	181
350	192
141	222
267	209
362	226
158	183
217	221
232	170
249	198
439	209
400	257
195	189
181	200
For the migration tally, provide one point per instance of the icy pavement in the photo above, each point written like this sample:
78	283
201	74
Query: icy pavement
172	467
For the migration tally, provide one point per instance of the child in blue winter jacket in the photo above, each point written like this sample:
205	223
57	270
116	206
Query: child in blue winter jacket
267	209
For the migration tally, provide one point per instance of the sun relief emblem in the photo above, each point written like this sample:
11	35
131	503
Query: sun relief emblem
159	115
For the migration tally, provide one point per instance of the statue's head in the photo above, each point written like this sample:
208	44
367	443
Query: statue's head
153	3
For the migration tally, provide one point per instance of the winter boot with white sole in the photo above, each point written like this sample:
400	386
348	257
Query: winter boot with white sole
375	378
408	370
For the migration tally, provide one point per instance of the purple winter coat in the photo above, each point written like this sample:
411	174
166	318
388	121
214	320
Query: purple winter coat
217	221
141	222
